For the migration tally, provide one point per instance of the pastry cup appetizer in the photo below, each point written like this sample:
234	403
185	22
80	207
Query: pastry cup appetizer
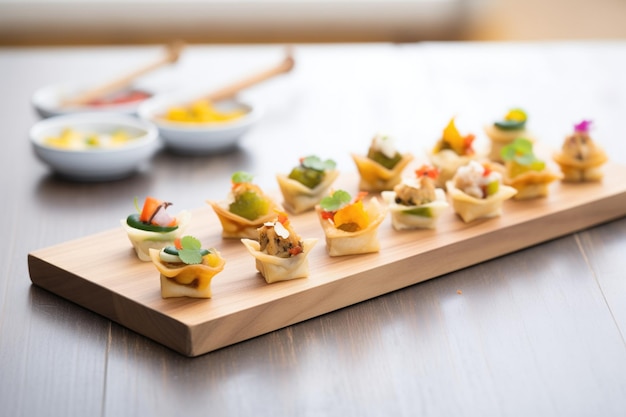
581	159
186	269
477	191
451	152
153	227
246	208
382	168
524	172
280	254
350	226
415	203
504	132
307	183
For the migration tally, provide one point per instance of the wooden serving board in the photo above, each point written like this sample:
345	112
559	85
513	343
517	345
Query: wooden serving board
102	273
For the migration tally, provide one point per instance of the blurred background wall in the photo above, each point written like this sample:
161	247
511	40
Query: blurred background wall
57	22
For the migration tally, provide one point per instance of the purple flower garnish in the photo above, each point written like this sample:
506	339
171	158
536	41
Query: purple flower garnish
583	126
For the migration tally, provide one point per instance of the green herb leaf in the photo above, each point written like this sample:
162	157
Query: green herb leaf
507	153
335	201
190	257
191	253
520	151
316	163
241	177
523	146
524	159
136	203
190	242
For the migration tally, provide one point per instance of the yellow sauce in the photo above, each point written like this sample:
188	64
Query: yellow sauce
202	112
79	140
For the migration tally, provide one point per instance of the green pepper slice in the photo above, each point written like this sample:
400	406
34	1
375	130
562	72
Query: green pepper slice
133	221
171	250
420	211
510	124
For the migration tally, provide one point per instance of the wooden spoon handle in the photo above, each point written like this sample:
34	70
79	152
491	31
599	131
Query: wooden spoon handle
173	52
231	90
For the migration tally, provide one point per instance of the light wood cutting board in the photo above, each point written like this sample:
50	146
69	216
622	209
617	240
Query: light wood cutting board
101	272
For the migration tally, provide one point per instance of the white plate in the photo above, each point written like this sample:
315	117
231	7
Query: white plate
97	164
198	138
48	100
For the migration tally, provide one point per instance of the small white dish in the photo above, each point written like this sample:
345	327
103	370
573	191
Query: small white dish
95	163
48	101
198	138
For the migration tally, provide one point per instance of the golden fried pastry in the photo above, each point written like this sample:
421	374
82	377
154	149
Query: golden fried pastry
581	158
307	183
415	203
186	270
246	208
382	168
525	172
504	132
350	225
451	152
280	254
153	227
477	191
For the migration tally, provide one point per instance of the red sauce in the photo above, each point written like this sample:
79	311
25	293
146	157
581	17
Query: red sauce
123	97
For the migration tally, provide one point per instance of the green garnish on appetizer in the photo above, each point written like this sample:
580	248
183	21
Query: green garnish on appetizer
520	157
312	170
152	217
187	250
249	201
515	119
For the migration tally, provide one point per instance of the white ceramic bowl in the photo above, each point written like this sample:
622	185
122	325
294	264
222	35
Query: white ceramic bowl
95	164
47	101
198	138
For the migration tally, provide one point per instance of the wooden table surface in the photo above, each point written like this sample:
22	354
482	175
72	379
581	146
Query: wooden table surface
539	332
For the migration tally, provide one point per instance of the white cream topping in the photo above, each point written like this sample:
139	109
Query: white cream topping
471	179
385	144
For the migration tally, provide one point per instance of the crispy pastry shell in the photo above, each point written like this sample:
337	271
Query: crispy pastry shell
375	177
234	226
401	219
144	240
448	162
274	268
192	281
300	198
500	138
340	242
575	170
532	184
471	208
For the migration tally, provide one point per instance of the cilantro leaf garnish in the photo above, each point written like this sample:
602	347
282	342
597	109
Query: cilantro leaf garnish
316	163
241	177
335	201
521	152
191	252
